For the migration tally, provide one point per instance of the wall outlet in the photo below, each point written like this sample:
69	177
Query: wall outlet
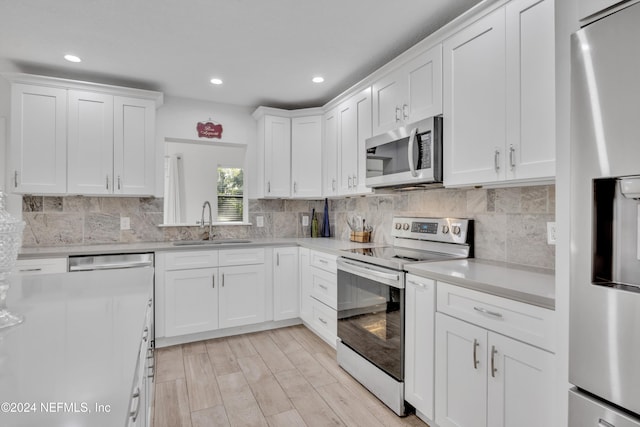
551	233
305	220
260	221
125	223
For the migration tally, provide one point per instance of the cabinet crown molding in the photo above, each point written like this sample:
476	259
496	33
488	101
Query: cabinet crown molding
270	111
157	97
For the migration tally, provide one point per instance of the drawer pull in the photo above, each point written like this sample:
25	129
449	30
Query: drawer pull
133	414
493	361
603	423
422	285
485	311
324	322
475	353
24	270
324	287
323	261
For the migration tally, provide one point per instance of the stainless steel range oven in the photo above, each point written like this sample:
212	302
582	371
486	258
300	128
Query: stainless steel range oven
371	299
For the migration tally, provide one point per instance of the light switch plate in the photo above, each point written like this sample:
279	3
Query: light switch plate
305	220
260	221
125	223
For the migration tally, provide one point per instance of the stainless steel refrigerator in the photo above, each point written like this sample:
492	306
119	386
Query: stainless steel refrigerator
604	353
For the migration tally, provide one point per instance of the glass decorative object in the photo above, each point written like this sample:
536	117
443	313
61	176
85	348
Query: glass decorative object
10	241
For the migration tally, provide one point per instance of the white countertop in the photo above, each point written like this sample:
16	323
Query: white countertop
526	284
331	245
78	346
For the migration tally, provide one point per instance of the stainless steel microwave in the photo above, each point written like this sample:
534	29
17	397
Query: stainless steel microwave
409	155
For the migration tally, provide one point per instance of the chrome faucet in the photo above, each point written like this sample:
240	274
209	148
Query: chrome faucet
204	205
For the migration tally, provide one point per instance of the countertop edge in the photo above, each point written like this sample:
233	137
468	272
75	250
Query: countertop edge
499	291
328	245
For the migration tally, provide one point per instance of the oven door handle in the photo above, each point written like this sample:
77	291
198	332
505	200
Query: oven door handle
364	270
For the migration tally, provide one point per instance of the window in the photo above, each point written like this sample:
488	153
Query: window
230	194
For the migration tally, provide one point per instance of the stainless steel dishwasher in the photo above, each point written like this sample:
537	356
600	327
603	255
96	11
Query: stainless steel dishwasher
126	269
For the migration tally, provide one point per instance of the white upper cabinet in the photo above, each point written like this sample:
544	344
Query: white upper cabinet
306	155
134	147
277	158
79	138
409	93
354	127
330	154
474	102
38	139
90	143
499	102
531	113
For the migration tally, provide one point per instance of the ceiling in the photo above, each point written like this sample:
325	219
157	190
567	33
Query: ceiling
265	51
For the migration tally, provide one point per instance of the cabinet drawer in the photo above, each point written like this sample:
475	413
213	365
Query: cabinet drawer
324	287
245	256
524	322
324	322
40	266
323	261
190	259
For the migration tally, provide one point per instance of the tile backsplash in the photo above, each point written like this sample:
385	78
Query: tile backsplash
510	223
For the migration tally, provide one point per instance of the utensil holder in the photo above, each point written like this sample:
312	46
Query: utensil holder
360	236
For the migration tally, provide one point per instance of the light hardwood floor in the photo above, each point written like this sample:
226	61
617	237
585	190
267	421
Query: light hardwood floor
284	377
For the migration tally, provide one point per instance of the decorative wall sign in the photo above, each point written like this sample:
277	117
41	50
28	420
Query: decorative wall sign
209	129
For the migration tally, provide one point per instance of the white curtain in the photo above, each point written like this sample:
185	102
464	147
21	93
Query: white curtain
173	194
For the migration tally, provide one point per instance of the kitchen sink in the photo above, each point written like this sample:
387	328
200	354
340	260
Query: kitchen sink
209	242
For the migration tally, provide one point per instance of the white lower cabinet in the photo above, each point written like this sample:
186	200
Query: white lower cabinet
286	294
304	274
201	291
319	293
242	295
191	301
486	379
420	297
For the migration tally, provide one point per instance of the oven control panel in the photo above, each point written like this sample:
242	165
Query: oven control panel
448	230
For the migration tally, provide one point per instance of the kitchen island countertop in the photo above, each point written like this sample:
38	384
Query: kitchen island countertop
531	285
72	362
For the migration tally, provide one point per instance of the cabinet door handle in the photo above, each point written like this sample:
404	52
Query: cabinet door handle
324	287
333	184
603	423
405	111
268	186
107	180
134	413
278	259
15	179
355	181
398	112
413	282
25	270
223	280
493	361
324	322
295	187
475	353
349	182
213	281
496	160
119	183
490	313
512	157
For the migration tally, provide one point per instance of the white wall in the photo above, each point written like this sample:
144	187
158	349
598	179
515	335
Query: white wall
178	118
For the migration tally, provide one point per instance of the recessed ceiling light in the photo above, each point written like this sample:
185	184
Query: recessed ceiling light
317	79
215	81
72	58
